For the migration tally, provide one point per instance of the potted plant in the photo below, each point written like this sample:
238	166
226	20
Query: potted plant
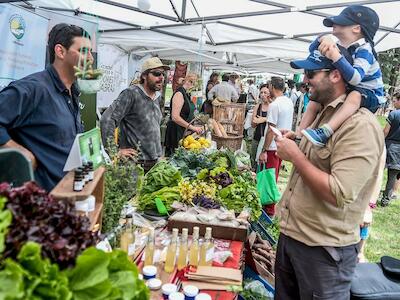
89	79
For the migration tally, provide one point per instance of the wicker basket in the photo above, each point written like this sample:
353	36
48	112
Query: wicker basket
231	116
232	142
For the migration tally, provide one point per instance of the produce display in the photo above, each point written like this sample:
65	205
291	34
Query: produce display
37	217
190	142
205	179
46	253
263	253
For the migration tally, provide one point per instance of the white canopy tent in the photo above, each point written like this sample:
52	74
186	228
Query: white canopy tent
251	36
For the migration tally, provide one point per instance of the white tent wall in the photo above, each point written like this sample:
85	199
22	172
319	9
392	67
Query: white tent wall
264	35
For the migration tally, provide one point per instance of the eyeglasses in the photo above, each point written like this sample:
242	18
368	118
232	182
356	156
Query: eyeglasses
157	73
311	73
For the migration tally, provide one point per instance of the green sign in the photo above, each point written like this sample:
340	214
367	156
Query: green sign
90	147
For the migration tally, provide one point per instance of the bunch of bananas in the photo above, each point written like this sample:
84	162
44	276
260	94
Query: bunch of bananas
191	143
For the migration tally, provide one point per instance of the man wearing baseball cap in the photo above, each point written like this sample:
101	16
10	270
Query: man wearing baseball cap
327	193
136	112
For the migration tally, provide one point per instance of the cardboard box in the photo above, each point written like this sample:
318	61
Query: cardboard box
219	232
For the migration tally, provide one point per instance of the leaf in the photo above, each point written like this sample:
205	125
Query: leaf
125	281
90	271
99	291
12	283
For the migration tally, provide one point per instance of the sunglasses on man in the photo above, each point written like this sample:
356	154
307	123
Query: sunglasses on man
157	73
311	73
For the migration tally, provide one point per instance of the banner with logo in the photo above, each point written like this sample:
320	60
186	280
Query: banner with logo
114	64
23	43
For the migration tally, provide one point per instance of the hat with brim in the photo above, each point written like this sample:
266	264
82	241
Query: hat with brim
314	61
338	20
153	63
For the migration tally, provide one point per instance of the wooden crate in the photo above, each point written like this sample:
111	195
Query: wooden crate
64	191
231	116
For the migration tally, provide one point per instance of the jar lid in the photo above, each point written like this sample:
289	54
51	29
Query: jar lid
203	296
176	296
169	288
190	290
149	270
154	284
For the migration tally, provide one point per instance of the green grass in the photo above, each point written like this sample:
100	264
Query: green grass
384	236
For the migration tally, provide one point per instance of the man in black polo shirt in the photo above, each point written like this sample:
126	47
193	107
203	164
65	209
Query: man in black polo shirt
40	113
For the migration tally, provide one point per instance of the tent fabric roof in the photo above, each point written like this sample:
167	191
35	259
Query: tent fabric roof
251	35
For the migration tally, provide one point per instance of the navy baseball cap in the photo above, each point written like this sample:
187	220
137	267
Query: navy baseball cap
316	61
364	16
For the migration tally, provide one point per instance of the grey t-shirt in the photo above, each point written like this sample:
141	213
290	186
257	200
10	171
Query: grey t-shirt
139	118
394	122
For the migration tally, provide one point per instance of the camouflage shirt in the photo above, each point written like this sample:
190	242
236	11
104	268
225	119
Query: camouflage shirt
139	118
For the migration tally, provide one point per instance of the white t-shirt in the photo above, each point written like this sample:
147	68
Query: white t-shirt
280	113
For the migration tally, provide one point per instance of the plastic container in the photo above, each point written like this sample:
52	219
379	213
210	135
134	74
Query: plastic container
176	296
168	289
91	200
82	206
149	272
203	296
154	284
190	292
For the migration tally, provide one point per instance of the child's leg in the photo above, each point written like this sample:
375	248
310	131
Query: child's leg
321	135
309	116
349	108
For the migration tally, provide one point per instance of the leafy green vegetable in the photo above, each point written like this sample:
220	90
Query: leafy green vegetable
5	221
99	275
167	195
190	163
239	195
32	277
161	175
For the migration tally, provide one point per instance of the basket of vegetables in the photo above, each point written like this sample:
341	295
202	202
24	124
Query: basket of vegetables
89	79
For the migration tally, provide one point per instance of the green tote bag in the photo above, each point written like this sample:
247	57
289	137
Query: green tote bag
266	185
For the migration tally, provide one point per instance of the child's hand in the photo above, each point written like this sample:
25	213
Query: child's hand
326	42
333	53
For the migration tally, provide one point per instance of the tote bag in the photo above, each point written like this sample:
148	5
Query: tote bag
266	185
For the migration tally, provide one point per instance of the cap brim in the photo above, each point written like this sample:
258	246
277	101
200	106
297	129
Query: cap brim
165	67
339	20
306	65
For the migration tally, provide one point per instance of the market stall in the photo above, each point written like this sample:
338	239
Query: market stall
187	227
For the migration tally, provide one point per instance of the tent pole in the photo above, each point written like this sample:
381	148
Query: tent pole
386	34
183	13
151	13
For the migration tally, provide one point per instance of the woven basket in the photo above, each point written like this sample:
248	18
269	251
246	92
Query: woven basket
232	142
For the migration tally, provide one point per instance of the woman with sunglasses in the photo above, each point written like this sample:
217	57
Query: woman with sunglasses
182	113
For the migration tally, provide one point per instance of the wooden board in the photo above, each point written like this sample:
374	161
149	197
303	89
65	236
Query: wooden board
64	189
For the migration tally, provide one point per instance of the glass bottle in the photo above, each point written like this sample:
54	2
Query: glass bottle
171	252
194	248
207	249
183	249
128	235
149	252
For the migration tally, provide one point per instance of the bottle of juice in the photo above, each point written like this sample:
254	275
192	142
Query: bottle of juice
171	252
128	234
149	252
194	248
183	249
207	249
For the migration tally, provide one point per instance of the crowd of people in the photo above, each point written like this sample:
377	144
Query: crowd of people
324	123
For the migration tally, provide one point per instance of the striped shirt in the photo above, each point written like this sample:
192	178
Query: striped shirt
365	72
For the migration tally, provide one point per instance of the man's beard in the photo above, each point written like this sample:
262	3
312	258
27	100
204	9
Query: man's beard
152	85
322	94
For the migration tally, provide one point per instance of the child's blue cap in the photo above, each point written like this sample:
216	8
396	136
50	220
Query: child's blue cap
364	16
